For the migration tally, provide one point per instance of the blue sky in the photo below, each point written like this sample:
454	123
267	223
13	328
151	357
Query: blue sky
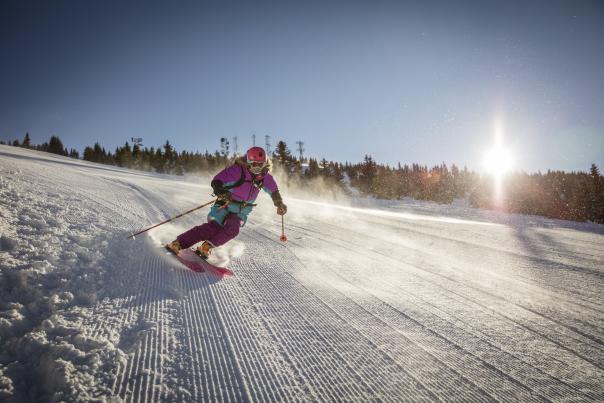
403	81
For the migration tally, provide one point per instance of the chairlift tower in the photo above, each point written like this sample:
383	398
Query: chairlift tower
253	140
235	146
267	141
225	146
301	149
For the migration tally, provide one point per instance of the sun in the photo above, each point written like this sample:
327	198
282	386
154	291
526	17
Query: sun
498	161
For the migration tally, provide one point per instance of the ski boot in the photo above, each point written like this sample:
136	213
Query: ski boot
174	247
204	250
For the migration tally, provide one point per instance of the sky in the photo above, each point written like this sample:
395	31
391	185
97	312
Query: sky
417	81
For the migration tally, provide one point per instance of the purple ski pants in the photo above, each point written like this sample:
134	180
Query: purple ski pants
211	231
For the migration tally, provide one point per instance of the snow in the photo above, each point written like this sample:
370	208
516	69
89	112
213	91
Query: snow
368	300
7	243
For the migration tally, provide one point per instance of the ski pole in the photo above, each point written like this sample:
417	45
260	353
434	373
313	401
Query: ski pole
282	238
173	218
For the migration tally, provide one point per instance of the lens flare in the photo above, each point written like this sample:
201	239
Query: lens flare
498	161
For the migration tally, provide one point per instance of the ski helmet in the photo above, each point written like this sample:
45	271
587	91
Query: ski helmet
256	154
256	159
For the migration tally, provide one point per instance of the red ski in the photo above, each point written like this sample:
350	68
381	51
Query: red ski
190	259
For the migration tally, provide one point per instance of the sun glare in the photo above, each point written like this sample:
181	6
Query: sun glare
498	161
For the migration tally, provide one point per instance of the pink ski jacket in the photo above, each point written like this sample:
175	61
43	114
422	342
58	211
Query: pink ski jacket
244	189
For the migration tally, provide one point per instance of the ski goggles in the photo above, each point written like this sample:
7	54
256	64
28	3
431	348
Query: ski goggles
256	167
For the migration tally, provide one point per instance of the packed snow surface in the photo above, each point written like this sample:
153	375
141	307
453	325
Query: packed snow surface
366	301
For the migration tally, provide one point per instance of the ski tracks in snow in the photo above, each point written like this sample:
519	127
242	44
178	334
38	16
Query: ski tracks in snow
534	352
408	311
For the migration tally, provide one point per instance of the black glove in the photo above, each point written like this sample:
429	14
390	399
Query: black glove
220	192
281	208
224	196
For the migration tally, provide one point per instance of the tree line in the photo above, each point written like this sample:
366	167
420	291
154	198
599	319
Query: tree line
161	159
577	196
55	146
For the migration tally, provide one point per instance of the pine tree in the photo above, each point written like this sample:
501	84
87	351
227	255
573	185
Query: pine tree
169	157
282	156
178	169
55	146
313	169
596	199
88	154
367	174
99	154
123	156
26	141
159	162
137	157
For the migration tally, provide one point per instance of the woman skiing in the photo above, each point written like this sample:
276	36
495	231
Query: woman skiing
236	189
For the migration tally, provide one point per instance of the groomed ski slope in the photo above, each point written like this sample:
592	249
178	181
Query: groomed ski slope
389	302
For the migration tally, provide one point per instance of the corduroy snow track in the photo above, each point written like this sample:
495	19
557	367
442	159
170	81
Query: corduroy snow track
397	303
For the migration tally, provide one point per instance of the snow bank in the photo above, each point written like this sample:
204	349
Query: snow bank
52	254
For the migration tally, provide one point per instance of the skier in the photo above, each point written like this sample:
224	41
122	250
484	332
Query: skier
236	189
